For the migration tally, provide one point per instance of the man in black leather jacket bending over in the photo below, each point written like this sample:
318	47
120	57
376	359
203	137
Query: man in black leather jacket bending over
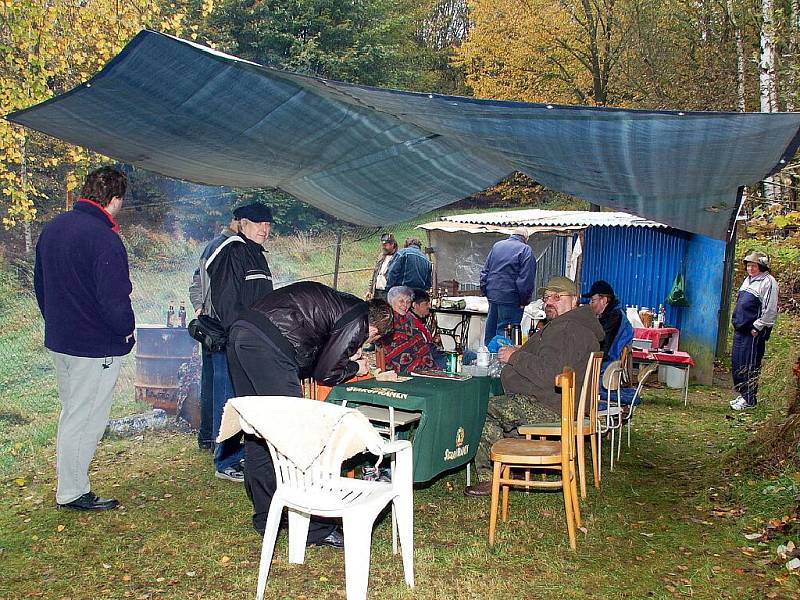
302	330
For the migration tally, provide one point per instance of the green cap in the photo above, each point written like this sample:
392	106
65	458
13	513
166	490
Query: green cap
562	285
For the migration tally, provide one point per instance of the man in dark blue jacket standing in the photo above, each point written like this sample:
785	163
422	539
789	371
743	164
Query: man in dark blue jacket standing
507	281
83	288
410	268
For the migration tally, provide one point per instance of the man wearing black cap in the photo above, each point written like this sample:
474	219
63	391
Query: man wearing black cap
239	276
200	297
605	305
377	287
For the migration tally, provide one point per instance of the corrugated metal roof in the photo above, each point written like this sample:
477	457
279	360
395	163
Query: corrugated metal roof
452	227
553	218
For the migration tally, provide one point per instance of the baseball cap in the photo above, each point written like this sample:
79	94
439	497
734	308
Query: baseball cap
599	287
255	212
562	285
388	238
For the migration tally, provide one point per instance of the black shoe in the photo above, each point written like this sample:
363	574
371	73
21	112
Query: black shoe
335	539
90	501
205	444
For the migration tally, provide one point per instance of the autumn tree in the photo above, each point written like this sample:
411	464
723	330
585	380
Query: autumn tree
543	50
49	47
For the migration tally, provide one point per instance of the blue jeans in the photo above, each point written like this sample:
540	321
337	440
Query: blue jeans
205	433
231	451
499	316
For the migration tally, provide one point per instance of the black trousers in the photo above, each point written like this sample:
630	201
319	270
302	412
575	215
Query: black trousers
258	368
746	356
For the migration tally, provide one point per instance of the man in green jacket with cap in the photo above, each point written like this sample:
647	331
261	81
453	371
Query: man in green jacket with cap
570	335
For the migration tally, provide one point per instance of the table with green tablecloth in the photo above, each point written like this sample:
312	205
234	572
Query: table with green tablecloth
453	414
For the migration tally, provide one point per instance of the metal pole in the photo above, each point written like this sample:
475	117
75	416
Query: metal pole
336	264
725	301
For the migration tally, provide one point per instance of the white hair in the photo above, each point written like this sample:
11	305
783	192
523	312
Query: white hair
399	290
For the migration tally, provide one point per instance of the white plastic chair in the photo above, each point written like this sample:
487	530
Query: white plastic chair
614	381
320	490
610	418
644	375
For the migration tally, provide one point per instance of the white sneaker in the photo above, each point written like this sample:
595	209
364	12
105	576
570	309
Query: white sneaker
739	403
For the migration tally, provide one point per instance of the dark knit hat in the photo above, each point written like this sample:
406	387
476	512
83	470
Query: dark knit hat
599	287
255	212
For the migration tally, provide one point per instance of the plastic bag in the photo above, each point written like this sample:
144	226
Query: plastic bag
497	342
677	295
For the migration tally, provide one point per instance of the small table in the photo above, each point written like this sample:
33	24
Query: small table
660	337
460	331
453	415
678	359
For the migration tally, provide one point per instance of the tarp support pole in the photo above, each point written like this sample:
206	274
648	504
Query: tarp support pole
336	264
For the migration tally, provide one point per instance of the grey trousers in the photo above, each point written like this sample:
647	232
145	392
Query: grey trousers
86	391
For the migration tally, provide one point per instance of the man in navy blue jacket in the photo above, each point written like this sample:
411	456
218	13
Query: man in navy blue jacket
410	268
507	281
83	289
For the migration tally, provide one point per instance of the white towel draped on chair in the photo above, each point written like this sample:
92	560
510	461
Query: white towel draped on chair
275	418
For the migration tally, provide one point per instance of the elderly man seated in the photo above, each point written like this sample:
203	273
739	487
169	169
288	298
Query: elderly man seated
410	346
569	336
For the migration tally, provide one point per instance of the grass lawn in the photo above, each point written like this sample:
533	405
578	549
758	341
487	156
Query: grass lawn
668	522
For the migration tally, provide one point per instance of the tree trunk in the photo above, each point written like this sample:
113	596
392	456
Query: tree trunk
26	223
767	79
767	71
793	52
740	61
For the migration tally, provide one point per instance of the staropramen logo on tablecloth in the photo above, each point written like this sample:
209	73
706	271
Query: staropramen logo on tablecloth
460	449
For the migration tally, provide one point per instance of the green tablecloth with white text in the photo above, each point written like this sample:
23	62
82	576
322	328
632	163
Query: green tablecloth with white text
453	414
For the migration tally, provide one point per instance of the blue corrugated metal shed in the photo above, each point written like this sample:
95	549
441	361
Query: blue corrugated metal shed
640	259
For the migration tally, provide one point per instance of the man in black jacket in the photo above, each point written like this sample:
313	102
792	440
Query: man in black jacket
302	330
606	306
238	276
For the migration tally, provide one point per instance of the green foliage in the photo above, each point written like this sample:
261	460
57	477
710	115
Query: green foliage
350	41
160	250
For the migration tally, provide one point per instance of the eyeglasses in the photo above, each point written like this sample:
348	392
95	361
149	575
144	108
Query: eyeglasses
555	297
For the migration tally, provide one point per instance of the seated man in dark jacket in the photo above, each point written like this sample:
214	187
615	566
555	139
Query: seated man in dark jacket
569	337
301	330
605	305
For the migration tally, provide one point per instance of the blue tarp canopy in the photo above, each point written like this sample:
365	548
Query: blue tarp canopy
375	156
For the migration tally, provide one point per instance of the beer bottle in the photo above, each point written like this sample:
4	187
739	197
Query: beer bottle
182	314
170	314
508	331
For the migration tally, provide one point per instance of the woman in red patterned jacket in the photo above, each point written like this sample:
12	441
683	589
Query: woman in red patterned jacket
410	346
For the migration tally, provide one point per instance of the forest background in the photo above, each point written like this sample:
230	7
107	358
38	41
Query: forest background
716	55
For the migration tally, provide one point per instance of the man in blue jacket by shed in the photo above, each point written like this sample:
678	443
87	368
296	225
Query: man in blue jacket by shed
410	268
83	289
507	281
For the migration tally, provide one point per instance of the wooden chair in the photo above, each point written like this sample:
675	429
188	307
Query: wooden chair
510	453
585	426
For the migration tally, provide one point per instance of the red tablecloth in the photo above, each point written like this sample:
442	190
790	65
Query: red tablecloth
654	334
676	358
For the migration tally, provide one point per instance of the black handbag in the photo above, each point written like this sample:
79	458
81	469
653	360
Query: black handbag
209	332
